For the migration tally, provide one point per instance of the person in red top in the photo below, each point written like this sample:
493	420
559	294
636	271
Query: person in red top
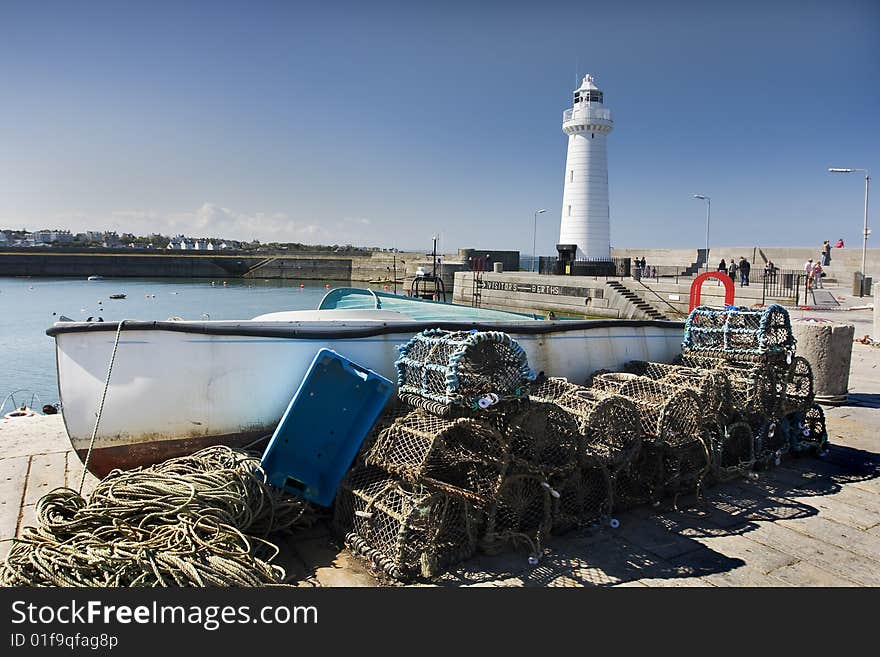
839	244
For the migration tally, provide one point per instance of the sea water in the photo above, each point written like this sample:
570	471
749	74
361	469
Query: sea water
28	306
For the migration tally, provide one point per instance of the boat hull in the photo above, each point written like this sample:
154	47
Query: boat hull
178	386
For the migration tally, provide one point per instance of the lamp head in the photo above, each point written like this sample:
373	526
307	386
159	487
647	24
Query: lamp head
839	170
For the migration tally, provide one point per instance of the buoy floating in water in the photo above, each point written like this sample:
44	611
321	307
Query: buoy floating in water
302	285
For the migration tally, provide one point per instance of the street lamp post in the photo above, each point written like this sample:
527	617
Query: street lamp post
535	240
708	211
865	229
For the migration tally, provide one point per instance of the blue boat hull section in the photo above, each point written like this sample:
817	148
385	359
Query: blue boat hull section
334	409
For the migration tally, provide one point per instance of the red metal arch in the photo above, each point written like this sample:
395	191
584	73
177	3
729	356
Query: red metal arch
697	285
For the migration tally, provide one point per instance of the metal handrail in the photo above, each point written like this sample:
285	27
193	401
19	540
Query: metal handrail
589	113
15	405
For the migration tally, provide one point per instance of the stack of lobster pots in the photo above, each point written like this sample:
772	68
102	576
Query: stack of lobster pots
770	387
479	454
469	460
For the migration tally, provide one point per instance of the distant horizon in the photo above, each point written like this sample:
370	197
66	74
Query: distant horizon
526	254
387	123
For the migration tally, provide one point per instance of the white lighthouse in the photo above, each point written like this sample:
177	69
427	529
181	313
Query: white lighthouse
585	231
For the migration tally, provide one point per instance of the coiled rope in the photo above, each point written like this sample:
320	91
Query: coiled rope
199	520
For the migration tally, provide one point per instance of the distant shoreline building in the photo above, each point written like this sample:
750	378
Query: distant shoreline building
585	227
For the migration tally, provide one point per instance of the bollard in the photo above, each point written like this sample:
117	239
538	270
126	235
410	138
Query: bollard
827	346
498	267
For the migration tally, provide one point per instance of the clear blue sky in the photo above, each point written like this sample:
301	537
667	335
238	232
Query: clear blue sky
382	123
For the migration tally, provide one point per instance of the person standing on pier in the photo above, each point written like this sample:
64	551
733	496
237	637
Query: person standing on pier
744	268
817	275
826	253
808	272
722	267
731	270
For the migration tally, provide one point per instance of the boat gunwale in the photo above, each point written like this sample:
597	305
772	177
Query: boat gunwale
294	331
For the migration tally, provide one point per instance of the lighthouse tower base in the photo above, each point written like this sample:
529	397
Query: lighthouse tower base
567	263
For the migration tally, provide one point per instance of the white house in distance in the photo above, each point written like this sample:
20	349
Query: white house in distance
585	230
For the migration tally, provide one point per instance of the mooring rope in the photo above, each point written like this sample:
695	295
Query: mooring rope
82	480
199	520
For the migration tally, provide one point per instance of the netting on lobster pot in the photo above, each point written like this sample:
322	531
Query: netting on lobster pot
552	389
755	388
612	381
733	449
667	414
641	480
520	516
439	370
772	439
401	529
610	425
808	430
459	456
798	395
581	499
739	331
542	438
685	465
709	383
393	412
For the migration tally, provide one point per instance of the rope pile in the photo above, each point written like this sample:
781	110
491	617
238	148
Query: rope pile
199	520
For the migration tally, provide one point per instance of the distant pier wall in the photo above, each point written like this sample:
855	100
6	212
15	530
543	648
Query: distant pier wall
125	263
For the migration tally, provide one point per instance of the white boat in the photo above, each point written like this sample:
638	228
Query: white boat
95	278
178	386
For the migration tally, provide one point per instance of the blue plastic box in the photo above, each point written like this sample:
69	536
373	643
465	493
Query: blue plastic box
336	405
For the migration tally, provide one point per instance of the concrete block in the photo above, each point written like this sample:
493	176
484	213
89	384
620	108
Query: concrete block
828	348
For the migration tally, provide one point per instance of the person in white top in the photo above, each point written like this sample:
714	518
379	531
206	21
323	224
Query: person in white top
808	271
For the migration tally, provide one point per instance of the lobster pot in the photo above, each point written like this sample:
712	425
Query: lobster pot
771	439
732	449
542	439
439	370
684	466
641	480
460	457
581	499
756	388
739	332
612	382
551	390
393	412
521	515
403	530
609	424
710	384
808	431
798	396
667	414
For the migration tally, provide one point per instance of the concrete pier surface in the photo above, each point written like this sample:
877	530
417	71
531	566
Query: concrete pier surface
809	522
